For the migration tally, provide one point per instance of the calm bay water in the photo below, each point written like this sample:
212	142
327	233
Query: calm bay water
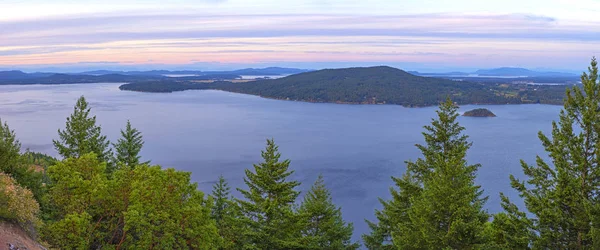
356	147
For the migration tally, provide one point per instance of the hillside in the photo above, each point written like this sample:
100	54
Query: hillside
373	85
13	234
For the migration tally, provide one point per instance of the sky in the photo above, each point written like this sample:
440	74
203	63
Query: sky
424	35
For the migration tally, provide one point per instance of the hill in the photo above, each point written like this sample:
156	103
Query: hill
372	85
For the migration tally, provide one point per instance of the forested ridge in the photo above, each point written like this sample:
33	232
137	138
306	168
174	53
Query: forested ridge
103	195
373	85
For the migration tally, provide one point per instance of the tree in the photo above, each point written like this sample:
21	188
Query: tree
437	204
269	219
563	196
142	208
10	149
128	147
393	213
14	164
166	211
510	229
226	214
82	135
322	223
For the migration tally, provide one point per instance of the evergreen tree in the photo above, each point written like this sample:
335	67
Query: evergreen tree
510	229
226	214
269	219
10	149
323	226
14	164
128	147
437	204
564	197
393	213
81	135
221	196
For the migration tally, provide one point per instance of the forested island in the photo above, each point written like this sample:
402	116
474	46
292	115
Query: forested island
481	112
102	195
373	85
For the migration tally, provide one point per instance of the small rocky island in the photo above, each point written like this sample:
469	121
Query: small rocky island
479	113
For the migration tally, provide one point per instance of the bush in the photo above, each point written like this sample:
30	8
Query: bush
18	204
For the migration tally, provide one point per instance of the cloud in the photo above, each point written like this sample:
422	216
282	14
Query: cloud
178	38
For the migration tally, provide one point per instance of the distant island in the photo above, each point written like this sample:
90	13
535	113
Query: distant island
371	85
480	112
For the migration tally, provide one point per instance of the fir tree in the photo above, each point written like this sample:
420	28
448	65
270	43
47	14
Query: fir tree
323	226
437	204
81	135
226	214
563	196
393	213
269	219
128	147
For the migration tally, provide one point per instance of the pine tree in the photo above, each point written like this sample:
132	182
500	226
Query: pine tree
128	147
323	226
226	214
564	197
437	204
269	219
81	135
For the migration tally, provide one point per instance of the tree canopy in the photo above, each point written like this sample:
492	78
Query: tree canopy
82	135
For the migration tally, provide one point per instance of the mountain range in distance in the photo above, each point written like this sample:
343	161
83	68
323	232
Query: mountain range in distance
279	71
499	72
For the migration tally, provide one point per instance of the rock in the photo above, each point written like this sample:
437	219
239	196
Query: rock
479	113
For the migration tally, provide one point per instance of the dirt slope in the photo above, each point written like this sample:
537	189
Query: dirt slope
15	235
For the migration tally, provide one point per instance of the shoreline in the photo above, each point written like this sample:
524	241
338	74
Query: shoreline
331	102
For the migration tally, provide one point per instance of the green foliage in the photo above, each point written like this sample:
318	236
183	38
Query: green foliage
510	229
81	135
437	204
322	223
18	204
563	196
269	218
166	211
17	166
71	232
226	214
10	149
393	213
39	159
128	147
141	208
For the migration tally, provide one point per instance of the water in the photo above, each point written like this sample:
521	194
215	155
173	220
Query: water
356	147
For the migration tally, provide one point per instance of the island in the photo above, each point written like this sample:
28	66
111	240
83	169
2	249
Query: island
367	85
359	85
481	112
